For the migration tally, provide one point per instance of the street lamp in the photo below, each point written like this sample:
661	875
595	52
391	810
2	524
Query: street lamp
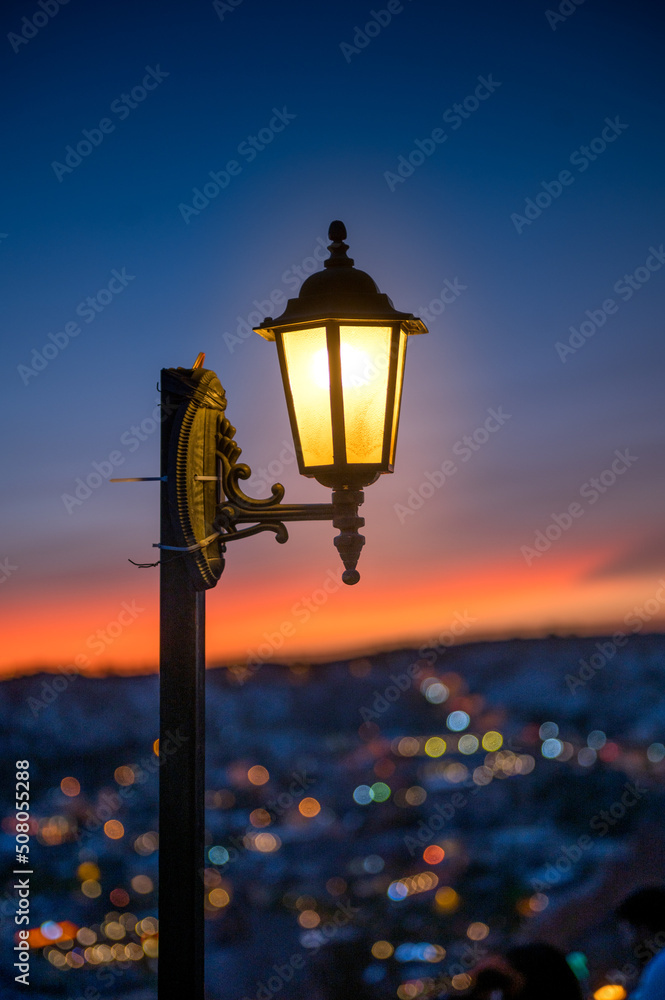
341	347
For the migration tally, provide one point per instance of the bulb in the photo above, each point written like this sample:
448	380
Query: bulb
356	368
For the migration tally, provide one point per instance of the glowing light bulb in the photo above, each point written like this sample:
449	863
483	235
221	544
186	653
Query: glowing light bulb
356	368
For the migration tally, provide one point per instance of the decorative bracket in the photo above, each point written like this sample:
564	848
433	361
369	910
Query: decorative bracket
207	503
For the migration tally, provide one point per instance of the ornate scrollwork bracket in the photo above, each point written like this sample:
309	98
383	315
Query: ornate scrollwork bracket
208	505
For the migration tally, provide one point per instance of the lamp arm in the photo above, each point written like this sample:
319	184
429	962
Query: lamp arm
343	512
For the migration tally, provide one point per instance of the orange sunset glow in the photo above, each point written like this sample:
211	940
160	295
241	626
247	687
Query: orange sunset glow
102	632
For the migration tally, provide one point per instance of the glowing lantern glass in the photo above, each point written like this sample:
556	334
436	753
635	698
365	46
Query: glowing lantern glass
342	347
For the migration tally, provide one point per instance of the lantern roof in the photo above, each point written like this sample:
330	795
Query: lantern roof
340	291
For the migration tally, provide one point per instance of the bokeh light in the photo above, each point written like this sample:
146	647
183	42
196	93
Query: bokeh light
309	807
477	931
446	899
219	898
260	818
586	757
379	791
218	855
433	855
70	786
258	775
142	884
362	795
114	829
435	746
382	949
124	775
468	744
87	870
266	843
457	721
147	843
492	740
435	692
309	919
415	795
551	748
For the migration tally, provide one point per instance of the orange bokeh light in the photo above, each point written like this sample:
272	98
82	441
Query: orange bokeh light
114	829
70	786
310	807
36	939
433	855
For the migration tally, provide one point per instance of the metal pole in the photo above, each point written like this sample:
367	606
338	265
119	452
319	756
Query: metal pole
182	759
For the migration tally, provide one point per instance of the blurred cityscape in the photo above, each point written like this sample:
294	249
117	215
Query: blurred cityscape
374	826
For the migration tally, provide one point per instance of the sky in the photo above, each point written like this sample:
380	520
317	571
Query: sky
499	170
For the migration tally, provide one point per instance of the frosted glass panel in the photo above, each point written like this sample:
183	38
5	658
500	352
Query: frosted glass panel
365	360
309	378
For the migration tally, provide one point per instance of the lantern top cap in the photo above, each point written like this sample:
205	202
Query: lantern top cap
339	291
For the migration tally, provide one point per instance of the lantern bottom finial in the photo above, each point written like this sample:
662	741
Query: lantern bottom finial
349	542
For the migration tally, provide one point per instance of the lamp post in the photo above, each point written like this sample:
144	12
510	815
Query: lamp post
341	347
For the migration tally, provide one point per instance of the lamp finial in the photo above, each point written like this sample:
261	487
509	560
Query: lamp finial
338	248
